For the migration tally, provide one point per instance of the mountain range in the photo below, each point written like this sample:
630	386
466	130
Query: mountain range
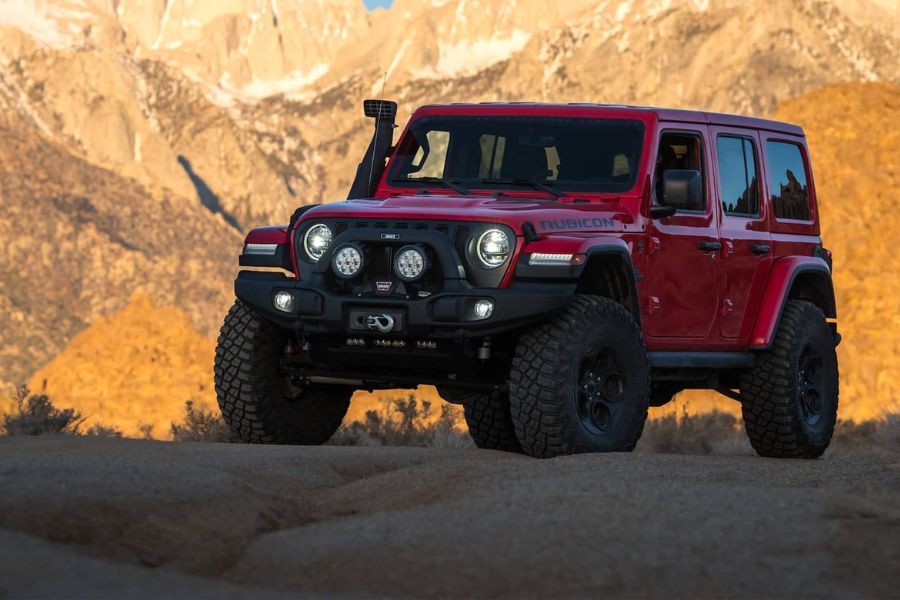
140	138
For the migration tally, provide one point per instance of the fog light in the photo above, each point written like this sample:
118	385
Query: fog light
484	309
284	301
347	261
410	263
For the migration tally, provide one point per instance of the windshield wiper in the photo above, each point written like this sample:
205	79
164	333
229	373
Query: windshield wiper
453	184
521	182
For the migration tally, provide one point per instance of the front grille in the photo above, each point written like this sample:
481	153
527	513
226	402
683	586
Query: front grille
381	253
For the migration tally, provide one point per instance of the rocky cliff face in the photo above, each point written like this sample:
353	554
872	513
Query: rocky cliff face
141	136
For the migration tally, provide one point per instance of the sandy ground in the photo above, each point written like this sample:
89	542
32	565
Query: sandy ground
113	518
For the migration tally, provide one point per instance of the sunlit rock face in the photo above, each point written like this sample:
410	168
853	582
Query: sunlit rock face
182	120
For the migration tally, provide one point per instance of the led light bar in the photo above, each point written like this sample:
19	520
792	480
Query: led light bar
548	259
260	249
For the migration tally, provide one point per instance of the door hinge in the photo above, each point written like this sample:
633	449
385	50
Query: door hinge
652	305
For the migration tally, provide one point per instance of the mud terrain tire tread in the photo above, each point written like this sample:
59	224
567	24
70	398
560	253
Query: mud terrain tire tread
541	358
488	418
768	404
249	394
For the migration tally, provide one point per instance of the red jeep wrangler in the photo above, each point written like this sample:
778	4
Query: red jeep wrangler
555	269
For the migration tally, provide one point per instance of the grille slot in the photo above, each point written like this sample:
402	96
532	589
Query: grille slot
460	238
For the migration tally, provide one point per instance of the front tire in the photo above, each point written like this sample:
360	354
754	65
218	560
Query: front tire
790	398
257	401
488	418
581	382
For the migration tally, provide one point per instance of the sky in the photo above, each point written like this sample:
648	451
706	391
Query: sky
370	4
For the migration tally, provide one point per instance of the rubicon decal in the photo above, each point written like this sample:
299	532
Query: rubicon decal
568	224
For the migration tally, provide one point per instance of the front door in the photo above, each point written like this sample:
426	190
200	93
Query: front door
681	278
747	244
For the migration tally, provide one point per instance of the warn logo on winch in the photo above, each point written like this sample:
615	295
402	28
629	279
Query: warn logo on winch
568	224
383	286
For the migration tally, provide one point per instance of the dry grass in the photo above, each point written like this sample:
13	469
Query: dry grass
413	422
406	423
878	435
34	414
708	433
201	425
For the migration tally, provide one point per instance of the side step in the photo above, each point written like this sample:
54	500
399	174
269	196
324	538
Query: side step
701	360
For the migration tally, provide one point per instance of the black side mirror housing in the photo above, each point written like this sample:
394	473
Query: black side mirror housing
659	211
682	189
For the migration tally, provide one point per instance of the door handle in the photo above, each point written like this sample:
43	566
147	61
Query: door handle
710	246
760	248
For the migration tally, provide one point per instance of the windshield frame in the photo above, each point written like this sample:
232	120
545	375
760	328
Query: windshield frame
645	119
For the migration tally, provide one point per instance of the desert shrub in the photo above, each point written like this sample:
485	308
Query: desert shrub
708	433
850	436
877	435
405	423
99	430
889	432
34	414
200	425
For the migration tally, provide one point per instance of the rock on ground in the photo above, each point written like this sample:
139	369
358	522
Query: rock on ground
132	518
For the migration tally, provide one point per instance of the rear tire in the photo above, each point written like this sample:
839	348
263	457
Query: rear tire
257	401
790	398
488	418
581	382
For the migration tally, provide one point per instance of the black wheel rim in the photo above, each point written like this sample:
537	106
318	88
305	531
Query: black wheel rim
600	390
810	380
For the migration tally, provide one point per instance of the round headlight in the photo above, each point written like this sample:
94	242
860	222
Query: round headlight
493	248
316	241
347	261
410	263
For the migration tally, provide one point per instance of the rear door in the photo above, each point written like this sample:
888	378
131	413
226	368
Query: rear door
746	242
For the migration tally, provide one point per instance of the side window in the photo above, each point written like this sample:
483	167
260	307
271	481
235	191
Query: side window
683	151
788	181
738	178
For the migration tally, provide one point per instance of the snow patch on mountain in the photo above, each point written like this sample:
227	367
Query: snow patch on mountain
467	58
35	20
256	89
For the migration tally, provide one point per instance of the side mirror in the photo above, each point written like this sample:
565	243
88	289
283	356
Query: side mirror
682	189
659	211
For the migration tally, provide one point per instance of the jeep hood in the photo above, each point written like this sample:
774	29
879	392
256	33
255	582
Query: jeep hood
548	215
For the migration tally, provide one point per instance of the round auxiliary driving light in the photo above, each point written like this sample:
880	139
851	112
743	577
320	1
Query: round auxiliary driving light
347	261
410	263
316	241
493	248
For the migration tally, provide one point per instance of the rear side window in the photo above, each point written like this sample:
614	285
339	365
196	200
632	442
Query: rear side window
738	180
788	181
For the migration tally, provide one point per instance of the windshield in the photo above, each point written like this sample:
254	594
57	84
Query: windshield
561	154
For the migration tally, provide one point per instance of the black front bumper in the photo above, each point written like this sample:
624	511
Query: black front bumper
448	314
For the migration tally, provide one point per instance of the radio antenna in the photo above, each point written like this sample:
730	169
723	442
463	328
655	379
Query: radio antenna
377	127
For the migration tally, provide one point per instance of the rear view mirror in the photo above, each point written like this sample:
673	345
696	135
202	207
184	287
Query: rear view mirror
682	189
